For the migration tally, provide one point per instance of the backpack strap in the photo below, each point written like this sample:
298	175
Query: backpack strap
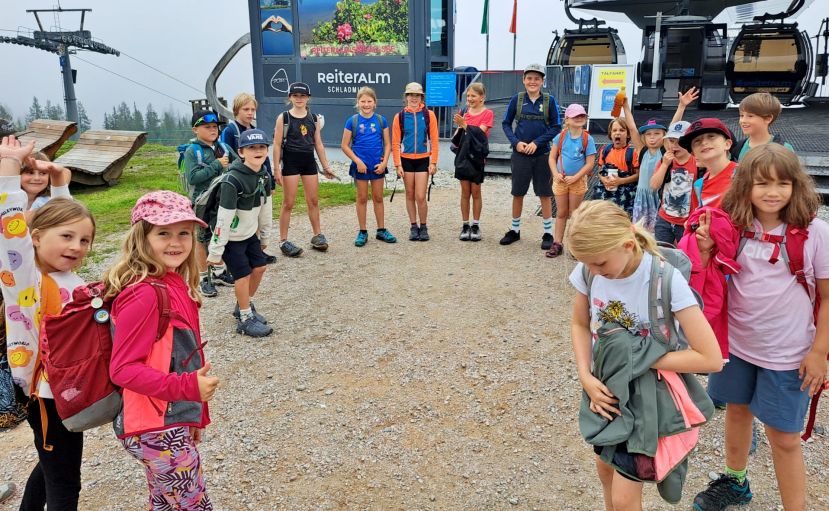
778	241
737	148
164	311
546	105
605	151
197	149
584	141
659	303
519	106
629	158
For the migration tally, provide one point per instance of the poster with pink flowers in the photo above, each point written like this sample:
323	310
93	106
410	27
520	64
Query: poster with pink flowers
353	28
277	27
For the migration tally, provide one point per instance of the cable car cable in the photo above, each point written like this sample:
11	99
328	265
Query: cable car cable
131	80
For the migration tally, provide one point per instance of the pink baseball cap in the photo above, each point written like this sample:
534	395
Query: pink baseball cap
164	208
574	110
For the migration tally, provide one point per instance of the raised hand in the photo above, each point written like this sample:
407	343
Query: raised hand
689	97
207	384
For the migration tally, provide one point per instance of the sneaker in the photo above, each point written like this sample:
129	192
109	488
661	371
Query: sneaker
361	239
475	233
510	237
6	491
260	318
385	235
547	241
722	493
414	233
253	328
207	288
555	250
224	279
270	259
465	231
424	233
289	249
319	242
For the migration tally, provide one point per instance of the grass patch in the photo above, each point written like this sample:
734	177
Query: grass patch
154	168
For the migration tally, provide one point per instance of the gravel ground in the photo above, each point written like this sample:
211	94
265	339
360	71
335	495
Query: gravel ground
437	376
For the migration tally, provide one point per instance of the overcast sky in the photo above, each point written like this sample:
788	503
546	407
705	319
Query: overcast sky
169	36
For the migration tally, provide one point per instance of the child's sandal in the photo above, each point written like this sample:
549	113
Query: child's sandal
555	250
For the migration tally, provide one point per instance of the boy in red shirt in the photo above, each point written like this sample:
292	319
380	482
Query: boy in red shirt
710	142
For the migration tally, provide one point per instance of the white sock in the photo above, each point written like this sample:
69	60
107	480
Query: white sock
244	314
516	224
548	225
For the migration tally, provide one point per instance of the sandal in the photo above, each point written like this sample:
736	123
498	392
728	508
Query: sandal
555	250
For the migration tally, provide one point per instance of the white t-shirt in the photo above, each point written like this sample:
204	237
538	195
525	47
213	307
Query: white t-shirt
629	296
770	321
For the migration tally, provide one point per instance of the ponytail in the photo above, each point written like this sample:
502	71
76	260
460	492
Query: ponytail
599	226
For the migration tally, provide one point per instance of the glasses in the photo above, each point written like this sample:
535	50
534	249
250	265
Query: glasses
206	119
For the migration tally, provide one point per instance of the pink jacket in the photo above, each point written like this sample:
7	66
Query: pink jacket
711	282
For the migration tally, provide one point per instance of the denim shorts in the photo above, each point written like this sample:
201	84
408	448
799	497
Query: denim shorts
666	232
772	396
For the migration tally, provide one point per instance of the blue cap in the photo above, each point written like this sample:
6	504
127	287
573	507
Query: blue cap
652	125
252	137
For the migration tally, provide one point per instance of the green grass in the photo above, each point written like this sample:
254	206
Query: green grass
154	168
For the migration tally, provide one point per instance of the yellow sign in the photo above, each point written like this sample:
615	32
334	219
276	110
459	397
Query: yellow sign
612	78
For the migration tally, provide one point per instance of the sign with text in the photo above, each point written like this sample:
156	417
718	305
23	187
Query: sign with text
605	82
343	80
441	89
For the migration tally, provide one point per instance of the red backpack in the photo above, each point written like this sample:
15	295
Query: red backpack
790	248
76	346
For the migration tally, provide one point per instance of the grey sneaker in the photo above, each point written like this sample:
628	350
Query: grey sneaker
207	288
224	279
289	249
260	318
414	233
424	233
475	233
465	231
6	491
252	328
319	242
723	493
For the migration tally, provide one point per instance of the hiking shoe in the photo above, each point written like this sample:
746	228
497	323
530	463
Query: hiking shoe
270	259
722	493
555	250
414	233
510	237
252	327
224	279
546	241
385	235
6	491
361	239
424	233
475	233
319	242
207	288
289	249
260	318
465	232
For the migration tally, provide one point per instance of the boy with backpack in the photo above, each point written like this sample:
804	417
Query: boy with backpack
244	214
757	113
204	159
537	121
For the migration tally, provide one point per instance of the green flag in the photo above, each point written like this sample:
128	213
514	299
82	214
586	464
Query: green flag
485	22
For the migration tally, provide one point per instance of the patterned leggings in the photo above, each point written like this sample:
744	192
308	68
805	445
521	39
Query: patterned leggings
173	468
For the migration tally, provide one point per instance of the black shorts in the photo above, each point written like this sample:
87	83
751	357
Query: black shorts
415	165
298	164
533	169
241	257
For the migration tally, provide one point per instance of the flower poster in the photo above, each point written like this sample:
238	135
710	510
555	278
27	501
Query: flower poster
277	27
359	28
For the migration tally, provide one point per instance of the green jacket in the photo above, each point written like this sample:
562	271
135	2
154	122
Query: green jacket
199	175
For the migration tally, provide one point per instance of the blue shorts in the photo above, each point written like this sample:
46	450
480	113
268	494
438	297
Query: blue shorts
774	397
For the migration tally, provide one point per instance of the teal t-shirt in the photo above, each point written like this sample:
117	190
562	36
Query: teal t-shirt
746	148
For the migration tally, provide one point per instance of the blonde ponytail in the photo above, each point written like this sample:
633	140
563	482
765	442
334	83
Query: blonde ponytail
599	226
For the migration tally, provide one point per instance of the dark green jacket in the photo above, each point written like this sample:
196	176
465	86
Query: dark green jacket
199	175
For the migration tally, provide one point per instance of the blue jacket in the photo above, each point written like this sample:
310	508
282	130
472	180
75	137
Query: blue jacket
531	130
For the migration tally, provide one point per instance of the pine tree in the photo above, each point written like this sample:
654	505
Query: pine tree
54	111
35	111
152	123
83	119
137	119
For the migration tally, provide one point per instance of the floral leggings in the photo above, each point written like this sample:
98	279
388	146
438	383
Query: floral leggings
173	469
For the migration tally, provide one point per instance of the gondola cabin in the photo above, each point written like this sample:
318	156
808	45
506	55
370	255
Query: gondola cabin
586	46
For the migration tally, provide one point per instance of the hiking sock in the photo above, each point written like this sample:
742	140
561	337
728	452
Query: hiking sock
414	224
245	314
739	475
364	231
548	225
422	226
516	224
218	270
203	275
475	222
380	229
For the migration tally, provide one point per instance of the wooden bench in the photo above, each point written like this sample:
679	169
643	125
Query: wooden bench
49	135
99	156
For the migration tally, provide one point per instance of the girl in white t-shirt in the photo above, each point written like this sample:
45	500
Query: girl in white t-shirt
777	355
619	254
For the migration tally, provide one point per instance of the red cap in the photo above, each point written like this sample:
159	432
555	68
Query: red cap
701	126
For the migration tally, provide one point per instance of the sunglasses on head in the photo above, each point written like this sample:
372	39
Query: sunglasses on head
207	119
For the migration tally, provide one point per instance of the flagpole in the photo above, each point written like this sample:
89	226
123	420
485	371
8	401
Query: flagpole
514	40
487	43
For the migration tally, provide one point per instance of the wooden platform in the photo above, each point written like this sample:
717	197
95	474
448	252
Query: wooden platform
49	135
99	156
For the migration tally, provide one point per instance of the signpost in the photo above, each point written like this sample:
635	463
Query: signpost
441	89
605	82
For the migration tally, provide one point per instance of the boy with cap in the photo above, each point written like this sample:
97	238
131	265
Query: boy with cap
710	142
537	121
245	209
675	175
205	159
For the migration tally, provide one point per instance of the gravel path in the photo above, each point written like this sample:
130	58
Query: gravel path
431	375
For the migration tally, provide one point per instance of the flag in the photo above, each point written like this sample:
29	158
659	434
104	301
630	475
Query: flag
485	21
513	25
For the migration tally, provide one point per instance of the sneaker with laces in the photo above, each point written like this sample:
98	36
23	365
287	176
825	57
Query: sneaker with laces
260	318
465	232
207	288
510	237
414	233
224	279
252	328
319	242
424	233
385	235
270	259
475	233
546	241
289	249
6	491
722	493
361	239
